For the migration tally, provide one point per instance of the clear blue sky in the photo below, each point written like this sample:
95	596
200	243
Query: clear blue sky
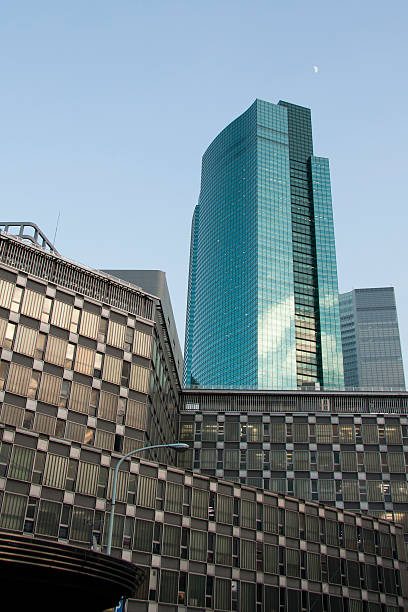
107	108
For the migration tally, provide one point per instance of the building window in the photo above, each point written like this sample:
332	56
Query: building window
143	536
199	506
225	509
146	492
174	498
4	367
13	512
222	594
223	550
9	336
198	545
196	590
168	587
21	464
48	518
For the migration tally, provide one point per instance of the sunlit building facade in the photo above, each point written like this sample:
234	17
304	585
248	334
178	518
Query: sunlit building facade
263	299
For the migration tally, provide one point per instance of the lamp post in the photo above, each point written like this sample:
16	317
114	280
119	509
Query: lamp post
178	446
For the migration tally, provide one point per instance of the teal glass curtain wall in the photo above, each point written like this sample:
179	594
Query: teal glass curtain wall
223	347
329	312
275	294
253	313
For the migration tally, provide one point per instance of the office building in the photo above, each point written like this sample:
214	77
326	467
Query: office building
200	543
262	308
91	353
345	449
86	375
370	336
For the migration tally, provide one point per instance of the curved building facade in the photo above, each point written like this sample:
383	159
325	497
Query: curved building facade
263	297
87	374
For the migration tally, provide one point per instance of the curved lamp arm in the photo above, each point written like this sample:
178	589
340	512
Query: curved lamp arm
178	446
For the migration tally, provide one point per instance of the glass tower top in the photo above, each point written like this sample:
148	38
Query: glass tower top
262	307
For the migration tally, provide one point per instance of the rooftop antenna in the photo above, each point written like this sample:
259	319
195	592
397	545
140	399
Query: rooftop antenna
56	226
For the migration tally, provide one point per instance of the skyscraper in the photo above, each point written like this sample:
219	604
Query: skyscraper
262	306
370	337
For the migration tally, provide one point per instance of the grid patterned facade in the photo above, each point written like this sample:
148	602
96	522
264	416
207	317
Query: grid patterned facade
346	450
79	368
370	336
203	544
263	299
85	380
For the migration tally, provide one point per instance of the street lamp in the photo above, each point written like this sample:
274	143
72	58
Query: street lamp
178	446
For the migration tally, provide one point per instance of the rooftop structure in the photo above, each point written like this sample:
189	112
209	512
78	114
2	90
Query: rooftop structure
28	232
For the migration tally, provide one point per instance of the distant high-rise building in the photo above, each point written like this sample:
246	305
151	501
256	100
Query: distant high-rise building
262	306
370	337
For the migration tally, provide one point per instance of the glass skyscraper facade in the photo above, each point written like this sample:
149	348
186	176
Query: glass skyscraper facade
371	341
263	299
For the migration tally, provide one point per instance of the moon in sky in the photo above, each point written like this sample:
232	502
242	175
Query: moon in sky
316	68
